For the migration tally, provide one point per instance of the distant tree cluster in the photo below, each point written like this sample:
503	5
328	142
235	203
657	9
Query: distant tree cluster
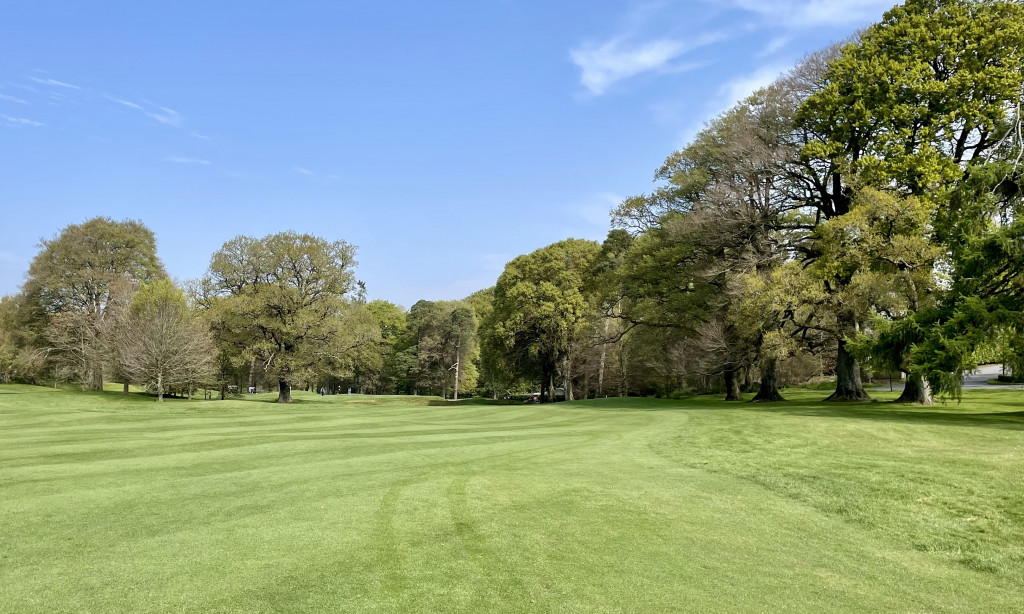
860	215
273	313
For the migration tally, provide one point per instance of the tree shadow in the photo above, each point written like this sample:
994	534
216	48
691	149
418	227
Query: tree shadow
474	401
997	413
901	413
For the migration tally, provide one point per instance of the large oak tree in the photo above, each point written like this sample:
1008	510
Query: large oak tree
278	300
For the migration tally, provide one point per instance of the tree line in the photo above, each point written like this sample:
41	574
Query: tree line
860	215
276	312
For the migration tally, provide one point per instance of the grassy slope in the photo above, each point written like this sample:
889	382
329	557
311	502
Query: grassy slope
113	504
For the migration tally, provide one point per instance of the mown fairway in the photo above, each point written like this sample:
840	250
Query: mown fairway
371	504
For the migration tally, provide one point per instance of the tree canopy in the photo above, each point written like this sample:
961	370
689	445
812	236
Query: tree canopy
278	299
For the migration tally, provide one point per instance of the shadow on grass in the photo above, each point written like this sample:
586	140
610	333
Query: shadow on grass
988	411
893	412
474	401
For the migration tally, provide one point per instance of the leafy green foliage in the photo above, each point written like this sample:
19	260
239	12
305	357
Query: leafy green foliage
279	300
76	270
541	307
73	281
921	94
438	335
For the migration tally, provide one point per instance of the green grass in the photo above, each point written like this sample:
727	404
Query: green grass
391	504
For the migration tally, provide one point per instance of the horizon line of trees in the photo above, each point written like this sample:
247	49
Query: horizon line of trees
860	215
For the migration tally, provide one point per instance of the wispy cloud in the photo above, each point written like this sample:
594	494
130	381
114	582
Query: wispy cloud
603	65
166	116
181	160
50	91
127	103
19	121
774	46
162	114
739	88
731	92
54	82
811	13
197	135
302	171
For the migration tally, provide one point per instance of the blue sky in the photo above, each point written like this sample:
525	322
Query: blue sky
442	138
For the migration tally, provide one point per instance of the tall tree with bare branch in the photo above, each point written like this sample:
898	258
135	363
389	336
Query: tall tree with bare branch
164	345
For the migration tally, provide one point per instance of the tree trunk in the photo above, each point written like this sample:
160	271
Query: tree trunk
97	378
623	391
732	385
284	392
748	379
916	390
458	346
551	383
604	352
848	384
769	390
159	387
126	387
543	384
567	380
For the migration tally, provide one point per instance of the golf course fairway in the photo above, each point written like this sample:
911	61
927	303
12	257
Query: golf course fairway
348	503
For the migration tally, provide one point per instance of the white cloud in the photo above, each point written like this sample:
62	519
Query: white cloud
180	160
775	45
810	13
603	65
166	116
745	85
159	113
302	171
732	92
162	114
54	82
197	135
19	121
127	103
